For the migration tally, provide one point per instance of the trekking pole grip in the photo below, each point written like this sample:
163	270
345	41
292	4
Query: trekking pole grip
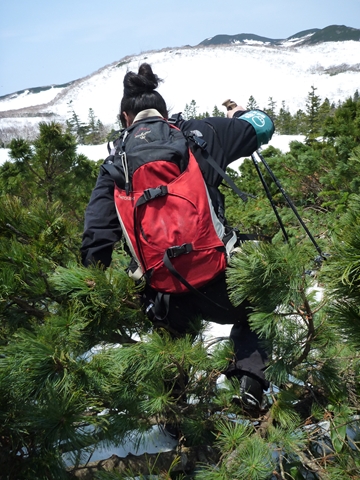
229	104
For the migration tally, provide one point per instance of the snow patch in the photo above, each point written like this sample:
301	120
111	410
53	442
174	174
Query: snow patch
256	42
100	152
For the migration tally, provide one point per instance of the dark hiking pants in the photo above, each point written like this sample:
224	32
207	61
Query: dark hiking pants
182	310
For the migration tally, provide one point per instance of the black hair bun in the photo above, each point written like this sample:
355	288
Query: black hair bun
143	82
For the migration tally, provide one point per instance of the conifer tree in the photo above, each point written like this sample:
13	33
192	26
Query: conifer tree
190	110
217	113
284	120
49	166
300	123
76	127
96	134
252	104
81	365
271	109
325	110
313	104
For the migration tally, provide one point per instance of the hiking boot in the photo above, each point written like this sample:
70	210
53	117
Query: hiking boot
251	392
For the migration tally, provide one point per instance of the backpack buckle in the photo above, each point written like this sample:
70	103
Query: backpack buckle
195	135
151	193
178	250
176	118
200	142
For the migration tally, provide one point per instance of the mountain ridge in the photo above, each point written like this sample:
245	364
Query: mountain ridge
331	33
322	35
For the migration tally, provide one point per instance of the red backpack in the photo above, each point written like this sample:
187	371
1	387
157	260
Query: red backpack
164	208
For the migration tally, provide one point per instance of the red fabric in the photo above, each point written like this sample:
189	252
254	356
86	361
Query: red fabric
181	216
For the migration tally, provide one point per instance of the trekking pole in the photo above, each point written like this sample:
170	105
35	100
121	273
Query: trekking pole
289	202
230	105
268	194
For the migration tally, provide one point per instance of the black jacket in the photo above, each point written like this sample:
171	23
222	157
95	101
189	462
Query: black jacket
227	140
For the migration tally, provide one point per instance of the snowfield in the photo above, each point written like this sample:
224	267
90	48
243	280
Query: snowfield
208	75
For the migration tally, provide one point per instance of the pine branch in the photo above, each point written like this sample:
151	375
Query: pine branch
34	172
182	375
308	318
312	465
129	303
29	308
23	237
44	276
266	422
281	466
212	342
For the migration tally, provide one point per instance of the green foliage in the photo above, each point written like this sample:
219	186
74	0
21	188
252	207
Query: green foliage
342	274
313	115
245	455
80	364
284	121
34	238
284	313
320	118
191	112
49	166
91	133
270	109
217	113
97	132
79	129
252	105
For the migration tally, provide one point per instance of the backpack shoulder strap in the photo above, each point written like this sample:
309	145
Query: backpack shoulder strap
199	142
196	140
175	119
108	164
113	172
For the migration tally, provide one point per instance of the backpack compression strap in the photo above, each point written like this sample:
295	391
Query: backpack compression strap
173	252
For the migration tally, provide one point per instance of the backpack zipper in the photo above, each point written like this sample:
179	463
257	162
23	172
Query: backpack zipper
126	171
124	163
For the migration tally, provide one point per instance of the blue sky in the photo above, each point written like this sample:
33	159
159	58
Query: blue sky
44	42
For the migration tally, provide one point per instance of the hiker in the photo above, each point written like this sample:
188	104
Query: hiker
221	139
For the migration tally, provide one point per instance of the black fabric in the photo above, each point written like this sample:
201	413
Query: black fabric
101	227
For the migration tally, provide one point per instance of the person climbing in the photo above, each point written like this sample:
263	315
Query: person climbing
137	196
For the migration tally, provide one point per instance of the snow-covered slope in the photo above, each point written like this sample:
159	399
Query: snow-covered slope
99	152
207	74
28	98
